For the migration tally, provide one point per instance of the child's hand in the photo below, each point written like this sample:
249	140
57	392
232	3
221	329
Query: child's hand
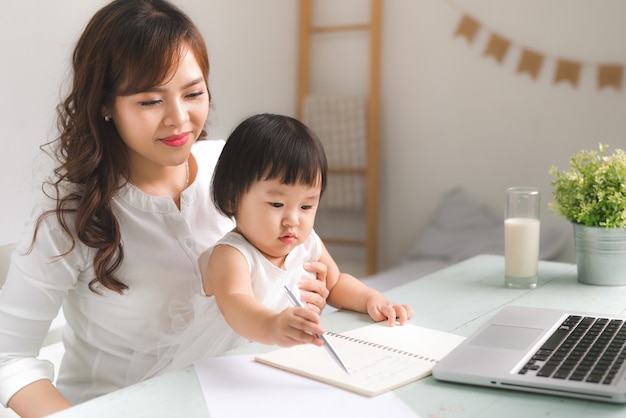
380	309
296	326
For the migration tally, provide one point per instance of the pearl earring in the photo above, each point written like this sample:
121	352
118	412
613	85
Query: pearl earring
107	118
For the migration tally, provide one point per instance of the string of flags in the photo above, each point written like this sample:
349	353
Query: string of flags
531	61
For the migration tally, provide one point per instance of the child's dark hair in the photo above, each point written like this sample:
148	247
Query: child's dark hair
267	147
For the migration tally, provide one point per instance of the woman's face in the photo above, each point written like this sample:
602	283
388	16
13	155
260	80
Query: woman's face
160	125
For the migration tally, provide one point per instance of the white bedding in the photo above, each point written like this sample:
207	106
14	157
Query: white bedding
403	273
461	228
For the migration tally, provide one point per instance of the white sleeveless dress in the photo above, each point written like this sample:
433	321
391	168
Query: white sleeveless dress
200	330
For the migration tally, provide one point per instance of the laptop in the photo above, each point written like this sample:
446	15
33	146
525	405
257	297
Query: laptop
533	349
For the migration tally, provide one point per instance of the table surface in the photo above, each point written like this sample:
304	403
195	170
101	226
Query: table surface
457	299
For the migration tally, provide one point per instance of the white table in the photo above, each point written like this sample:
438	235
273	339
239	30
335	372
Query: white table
457	299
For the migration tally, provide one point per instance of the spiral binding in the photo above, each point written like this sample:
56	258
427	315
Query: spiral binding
380	346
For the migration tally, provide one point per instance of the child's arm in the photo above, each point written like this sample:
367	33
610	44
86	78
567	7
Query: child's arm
348	292
228	279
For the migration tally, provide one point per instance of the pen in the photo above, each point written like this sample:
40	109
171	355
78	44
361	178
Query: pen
327	344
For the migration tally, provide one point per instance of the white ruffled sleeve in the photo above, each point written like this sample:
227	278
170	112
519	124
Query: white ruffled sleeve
36	285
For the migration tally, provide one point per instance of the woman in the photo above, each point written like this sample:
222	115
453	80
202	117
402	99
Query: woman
117	239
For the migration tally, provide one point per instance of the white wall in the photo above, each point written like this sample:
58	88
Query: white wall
252	45
37	44
450	116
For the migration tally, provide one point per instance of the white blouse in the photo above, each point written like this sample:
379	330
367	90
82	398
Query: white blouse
111	339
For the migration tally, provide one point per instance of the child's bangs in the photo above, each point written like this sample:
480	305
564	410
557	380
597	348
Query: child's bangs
297	168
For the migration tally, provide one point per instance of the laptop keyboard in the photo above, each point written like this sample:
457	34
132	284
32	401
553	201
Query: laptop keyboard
583	348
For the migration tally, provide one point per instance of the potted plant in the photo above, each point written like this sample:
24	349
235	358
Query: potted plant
592	195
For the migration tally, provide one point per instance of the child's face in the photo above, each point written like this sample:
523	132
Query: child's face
277	217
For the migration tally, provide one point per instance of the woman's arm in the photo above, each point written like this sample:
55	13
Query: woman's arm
48	400
35	288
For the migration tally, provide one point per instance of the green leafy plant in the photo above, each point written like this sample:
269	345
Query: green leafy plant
593	191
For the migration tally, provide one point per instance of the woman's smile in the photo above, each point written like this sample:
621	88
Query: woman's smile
177	140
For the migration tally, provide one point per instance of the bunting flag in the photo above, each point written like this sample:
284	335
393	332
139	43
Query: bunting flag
468	28
532	61
610	75
497	47
567	70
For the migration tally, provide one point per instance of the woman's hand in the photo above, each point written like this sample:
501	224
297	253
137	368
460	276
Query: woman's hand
313	291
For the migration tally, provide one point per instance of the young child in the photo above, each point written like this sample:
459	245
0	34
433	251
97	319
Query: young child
270	177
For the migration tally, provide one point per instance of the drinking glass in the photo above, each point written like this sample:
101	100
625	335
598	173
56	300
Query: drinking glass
521	237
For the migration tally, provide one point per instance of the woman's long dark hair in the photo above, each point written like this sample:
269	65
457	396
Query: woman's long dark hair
128	47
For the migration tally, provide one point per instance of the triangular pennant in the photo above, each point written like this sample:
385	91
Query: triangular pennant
567	70
497	47
610	75
468	27
530	63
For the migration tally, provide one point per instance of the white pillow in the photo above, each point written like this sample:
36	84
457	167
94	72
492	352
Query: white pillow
463	228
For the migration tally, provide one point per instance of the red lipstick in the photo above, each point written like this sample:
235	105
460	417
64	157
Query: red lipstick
176	140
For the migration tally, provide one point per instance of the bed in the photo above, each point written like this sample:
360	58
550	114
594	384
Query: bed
462	228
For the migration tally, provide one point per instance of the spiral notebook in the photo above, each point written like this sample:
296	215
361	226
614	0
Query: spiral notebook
380	358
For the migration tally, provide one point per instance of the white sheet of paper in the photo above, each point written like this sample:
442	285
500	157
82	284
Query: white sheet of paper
237	386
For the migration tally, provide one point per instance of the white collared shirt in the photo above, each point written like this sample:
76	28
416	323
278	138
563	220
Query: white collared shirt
107	333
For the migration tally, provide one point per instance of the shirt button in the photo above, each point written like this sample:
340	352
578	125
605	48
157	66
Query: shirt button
190	243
